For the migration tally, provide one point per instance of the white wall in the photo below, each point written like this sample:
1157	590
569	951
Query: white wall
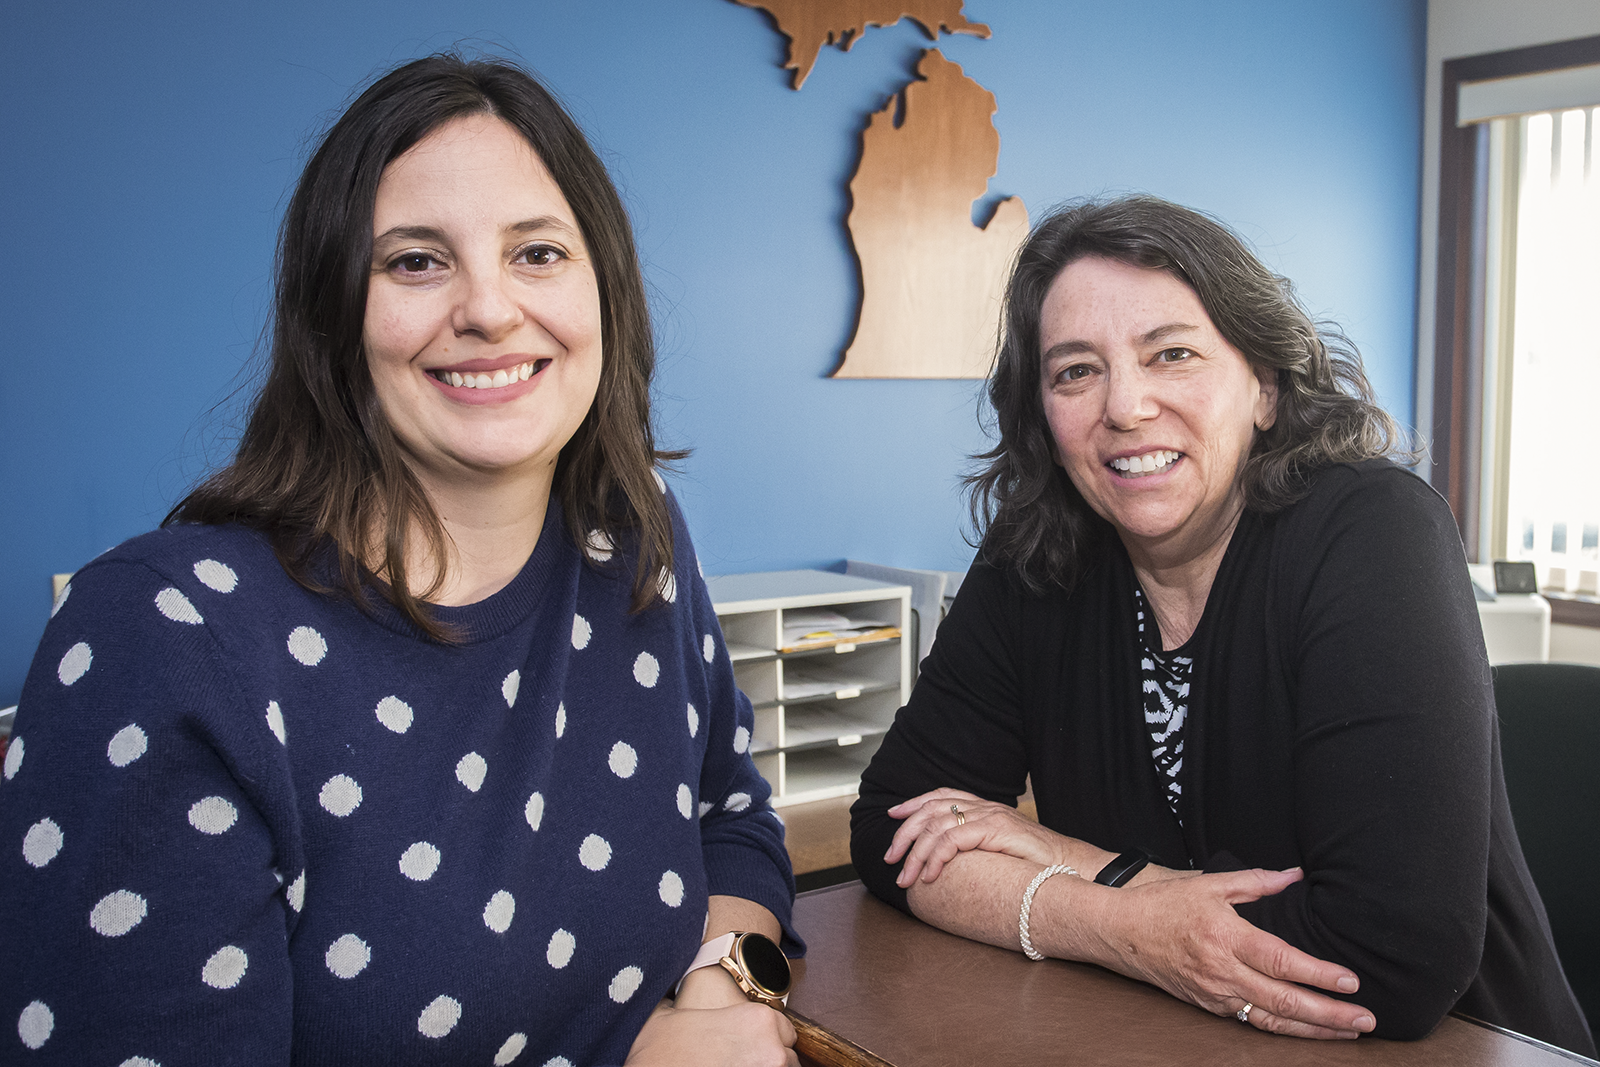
1459	28
1574	644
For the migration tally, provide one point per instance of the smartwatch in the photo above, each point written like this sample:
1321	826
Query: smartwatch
1120	871
756	964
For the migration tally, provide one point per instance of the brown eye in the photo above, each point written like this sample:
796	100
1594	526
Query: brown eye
414	263
542	256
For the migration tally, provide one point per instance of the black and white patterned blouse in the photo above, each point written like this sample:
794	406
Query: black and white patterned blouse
1164	684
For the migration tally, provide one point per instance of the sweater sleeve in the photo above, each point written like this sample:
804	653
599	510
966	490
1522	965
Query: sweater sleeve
139	877
741	835
961	727
1392	757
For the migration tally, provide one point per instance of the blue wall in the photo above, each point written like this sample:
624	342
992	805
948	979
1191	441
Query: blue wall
149	149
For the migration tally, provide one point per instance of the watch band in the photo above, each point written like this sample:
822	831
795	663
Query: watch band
724	951
1120	871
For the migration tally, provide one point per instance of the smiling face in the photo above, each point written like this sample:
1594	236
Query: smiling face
1152	411
482	329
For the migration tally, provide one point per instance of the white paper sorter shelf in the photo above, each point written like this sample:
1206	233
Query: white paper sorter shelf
803	759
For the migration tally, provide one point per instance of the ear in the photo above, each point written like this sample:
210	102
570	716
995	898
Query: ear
1266	413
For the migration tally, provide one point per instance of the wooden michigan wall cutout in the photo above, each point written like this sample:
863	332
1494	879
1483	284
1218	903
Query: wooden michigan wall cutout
811	24
931	281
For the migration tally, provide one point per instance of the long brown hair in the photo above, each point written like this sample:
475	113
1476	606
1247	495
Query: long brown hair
1024	507
318	463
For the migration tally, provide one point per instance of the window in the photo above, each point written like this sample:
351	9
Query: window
1516	366
1540	494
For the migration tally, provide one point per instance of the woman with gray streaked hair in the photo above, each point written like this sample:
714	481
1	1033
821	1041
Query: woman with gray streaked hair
1234	647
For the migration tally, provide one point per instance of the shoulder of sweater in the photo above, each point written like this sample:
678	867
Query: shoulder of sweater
1376	488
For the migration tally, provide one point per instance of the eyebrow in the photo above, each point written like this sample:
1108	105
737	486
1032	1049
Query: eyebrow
434	234
1154	336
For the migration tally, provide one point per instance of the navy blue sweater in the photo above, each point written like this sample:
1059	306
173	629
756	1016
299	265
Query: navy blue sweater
245	823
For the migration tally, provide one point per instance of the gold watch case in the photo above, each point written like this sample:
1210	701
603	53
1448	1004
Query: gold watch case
760	969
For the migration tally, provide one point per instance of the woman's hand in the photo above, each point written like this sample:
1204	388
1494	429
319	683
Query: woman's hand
932	835
1185	937
743	1035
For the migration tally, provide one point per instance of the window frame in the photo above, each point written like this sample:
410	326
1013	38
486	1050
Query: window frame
1458	356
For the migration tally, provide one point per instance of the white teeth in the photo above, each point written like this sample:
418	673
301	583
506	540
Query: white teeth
1149	463
499	380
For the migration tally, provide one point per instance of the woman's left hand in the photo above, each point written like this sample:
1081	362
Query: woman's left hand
933	834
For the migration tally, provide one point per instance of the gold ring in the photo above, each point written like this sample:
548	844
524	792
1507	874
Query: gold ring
1243	1014
961	816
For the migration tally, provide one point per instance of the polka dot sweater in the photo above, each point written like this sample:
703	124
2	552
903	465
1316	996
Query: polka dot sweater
242	823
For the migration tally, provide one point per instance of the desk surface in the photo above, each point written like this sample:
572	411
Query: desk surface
919	997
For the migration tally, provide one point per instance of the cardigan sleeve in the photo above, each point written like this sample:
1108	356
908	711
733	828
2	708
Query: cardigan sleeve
962	726
1393	740
139	876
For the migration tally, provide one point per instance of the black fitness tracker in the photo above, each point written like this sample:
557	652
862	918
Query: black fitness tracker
1120	871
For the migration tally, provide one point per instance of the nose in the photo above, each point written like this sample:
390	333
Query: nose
486	306
1130	398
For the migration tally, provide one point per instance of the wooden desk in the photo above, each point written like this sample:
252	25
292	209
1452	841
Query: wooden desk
919	997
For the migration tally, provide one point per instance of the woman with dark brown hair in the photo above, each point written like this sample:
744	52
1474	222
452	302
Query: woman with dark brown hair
411	737
1235	649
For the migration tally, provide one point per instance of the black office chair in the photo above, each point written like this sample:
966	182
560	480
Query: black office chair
1549	740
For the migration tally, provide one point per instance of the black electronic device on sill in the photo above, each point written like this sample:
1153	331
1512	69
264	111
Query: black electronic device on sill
1514	577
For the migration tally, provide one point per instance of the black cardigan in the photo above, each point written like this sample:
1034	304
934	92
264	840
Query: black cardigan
1341	718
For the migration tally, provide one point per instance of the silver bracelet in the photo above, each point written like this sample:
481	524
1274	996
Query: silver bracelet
1027	905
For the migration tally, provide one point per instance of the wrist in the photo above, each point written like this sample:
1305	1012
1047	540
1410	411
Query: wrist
709	987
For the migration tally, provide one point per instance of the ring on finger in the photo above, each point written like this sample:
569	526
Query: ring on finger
961	816
1243	1014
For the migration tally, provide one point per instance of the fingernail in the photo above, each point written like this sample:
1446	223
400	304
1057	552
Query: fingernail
1365	1024
1348	984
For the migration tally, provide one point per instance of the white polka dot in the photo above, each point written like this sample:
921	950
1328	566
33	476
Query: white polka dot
623	760
559	952
395	714
561	719
275	722
646	670
225	969
117	913
581	632
419	861
625	984
708	648
296	893
175	606
668	586
439	1017
705	808
511	1049
557	1061
42	841
138	1061
694	721
741	740
509	687
470	771
13	758
736	802
75	663
533	811
212	815
340	795
598	546
594	853
498	912
55	605
348	956
35	1024
671	889
218	576
660	483
127	745
307	646
685	801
